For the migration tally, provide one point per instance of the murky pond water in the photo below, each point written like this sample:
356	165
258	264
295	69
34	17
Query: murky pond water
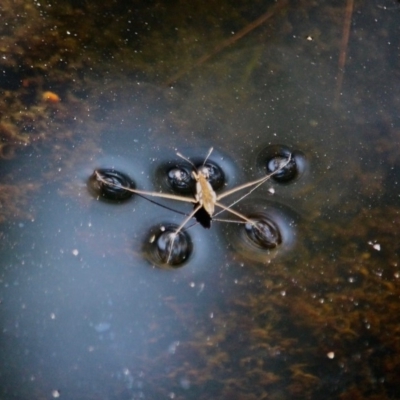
86	311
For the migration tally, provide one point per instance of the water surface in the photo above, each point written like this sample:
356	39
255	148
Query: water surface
86	314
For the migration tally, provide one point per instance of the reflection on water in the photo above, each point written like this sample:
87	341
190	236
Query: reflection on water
85	312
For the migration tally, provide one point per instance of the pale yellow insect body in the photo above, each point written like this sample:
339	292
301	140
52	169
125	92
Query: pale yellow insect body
205	194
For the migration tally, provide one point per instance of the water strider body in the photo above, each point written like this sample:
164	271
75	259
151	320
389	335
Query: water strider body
205	199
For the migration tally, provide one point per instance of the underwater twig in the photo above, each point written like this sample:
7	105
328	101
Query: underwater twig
343	49
243	32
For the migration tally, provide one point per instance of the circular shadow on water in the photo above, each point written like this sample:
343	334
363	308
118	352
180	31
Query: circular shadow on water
110	184
167	249
273	233
271	157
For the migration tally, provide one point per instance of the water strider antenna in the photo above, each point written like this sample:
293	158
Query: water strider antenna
186	159
208	155
190	162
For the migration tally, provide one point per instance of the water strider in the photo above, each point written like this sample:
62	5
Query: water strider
205	199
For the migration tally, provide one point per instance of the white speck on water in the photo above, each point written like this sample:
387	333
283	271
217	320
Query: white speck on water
375	246
201	288
173	346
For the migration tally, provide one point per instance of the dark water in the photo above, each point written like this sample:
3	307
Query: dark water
85	311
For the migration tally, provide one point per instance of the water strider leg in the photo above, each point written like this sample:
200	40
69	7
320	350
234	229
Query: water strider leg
180	227
145	193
